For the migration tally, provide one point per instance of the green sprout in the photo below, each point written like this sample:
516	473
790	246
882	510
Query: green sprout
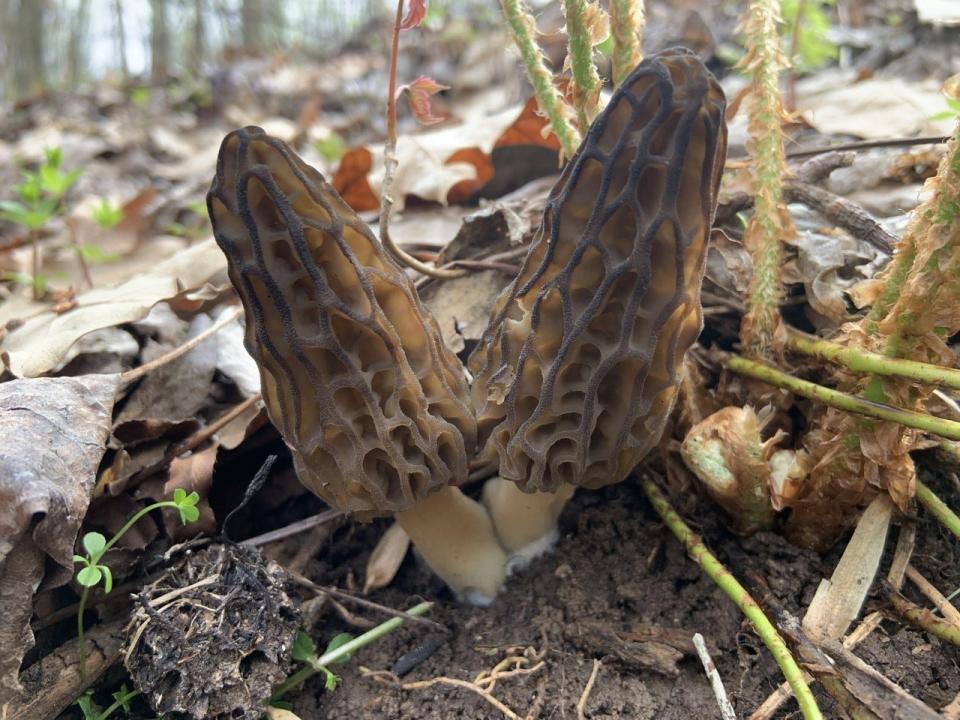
107	215
809	23
41	196
331	147
951	113
92	711
93	571
340	649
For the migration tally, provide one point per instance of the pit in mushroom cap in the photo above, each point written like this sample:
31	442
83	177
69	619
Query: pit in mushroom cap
578	370
354	372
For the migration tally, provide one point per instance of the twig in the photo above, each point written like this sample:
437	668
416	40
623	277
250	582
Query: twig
938	508
923	618
716	682
783	693
853	358
138	372
843	401
363	602
736	592
950	613
293	528
845	213
390	679
866	144
588	688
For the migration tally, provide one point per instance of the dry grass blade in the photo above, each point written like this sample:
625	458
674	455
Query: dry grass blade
588	688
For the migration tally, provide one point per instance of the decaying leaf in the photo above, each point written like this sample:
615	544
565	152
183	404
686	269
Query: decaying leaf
41	341
53	433
386	558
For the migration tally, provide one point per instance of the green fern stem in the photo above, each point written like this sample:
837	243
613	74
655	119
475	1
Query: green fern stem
626	24
551	103
586	80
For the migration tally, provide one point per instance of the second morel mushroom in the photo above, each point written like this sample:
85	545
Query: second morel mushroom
578	371
355	375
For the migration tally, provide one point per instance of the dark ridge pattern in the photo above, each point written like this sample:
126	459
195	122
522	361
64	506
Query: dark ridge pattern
355	375
578	370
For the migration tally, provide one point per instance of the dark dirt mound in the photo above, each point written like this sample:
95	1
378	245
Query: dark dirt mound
615	568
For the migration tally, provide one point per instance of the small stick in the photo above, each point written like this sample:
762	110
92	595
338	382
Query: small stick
844	401
736	592
726	709
363	602
950	613
923	618
585	695
139	372
293	528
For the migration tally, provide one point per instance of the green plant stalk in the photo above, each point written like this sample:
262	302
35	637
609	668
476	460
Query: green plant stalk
551	103
626	24
586	81
767	225
924	619
844	401
858	360
938	508
736	592
85	594
321	663
902	262
116	705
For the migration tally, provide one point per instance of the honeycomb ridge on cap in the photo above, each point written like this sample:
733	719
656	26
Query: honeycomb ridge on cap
355	374
578	370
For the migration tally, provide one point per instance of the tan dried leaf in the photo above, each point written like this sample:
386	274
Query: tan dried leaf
386	558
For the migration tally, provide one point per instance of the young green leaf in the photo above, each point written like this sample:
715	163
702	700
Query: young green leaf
90	709
94	543
337	641
107	215
304	648
89	576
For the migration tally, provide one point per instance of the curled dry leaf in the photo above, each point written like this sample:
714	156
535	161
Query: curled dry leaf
386	558
41	341
726	452
53	432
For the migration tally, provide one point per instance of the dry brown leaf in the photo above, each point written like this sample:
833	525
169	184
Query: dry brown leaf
43	339
53	433
386	558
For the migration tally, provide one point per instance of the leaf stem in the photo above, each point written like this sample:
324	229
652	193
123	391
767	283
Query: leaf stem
863	361
390	164
844	401
626	23
694	546
938	508
586	81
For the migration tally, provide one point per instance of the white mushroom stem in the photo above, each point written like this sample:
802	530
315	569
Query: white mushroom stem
455	537
526	523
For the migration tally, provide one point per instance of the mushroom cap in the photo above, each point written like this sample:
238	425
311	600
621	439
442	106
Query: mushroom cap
355	375
578	370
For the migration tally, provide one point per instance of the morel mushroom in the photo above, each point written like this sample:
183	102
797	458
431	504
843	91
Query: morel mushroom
578	371
354	372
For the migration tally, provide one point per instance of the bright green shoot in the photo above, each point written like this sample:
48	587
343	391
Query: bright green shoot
340	649
93	571
92	711
107	215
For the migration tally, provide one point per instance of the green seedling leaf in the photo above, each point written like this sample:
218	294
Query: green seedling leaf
123	697
337	641
89	576
93	253
94	543
107	578
186	505
140	96
29	189
304	648
330	680
331	148
107	215
54	156
90	709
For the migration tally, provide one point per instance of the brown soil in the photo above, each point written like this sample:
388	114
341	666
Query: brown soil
618	566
